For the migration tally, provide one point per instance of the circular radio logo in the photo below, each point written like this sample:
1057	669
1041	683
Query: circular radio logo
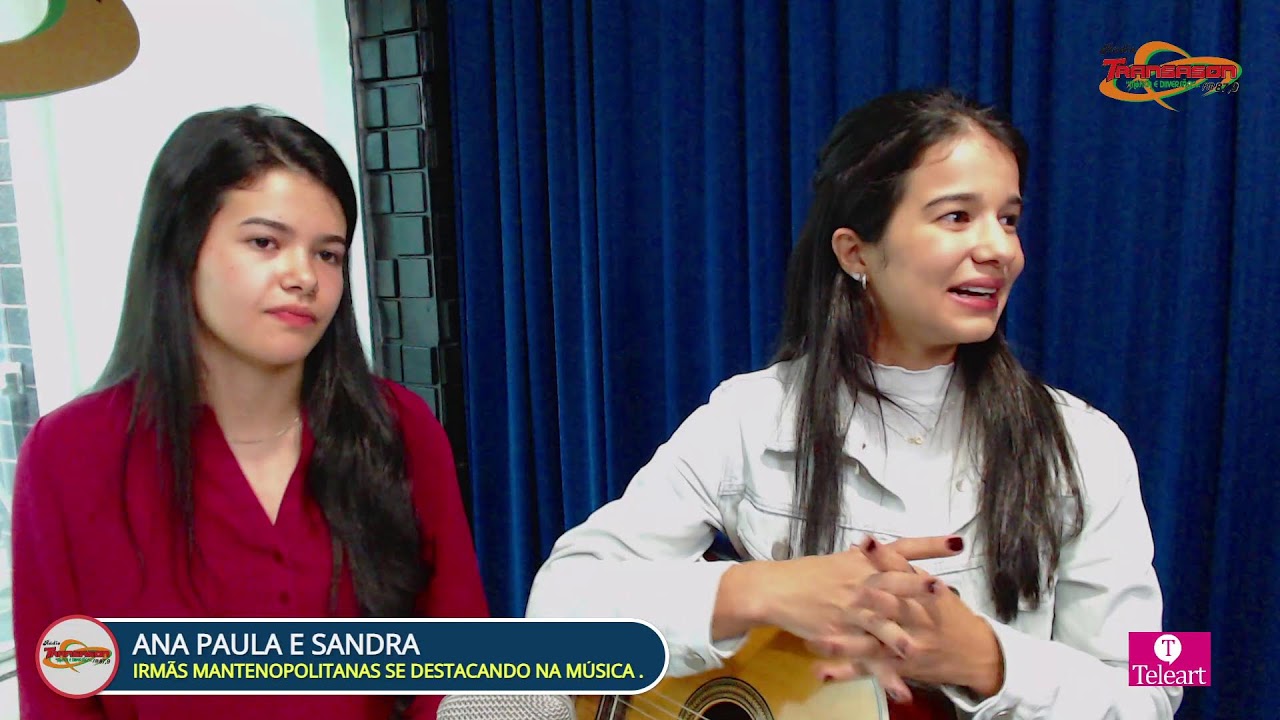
78	656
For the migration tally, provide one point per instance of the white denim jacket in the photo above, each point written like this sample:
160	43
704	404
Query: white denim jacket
728	468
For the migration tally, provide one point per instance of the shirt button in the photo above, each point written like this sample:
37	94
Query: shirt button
961	485
695	661
781	550
279	556
1003	715
284	598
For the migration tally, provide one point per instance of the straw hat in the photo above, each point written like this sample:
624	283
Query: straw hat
78	43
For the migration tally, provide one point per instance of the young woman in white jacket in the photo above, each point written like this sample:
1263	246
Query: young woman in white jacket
909	499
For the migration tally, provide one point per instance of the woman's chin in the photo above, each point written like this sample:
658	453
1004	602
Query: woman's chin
973	332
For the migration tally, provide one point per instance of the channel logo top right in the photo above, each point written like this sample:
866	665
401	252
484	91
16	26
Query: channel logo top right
1169	658
1174	73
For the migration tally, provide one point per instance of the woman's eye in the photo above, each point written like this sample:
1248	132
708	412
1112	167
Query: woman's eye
959	216
263	243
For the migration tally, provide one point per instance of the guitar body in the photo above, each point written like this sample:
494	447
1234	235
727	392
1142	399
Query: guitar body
770	678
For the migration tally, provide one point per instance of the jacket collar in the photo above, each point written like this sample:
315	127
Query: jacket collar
863	438
865	443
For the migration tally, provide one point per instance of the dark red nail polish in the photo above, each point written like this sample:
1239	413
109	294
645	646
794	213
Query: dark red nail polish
827	677
955	543
871	544
933	587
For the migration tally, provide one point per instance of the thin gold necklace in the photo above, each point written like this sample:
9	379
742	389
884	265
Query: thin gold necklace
926	430
284	430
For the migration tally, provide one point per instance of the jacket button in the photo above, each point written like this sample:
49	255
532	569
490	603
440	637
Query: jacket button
781	550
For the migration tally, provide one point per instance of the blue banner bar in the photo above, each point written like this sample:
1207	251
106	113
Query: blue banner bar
400	657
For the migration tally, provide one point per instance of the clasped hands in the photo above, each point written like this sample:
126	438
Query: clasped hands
868	611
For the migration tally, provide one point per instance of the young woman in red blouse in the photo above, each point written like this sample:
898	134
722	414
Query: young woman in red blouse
238	458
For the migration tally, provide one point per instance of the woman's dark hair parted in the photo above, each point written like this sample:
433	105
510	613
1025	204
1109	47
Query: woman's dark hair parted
357	473
1011	420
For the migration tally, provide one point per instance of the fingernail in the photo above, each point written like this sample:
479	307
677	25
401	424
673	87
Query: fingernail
871	544
895	695
903	648
828	677
933	587
955	543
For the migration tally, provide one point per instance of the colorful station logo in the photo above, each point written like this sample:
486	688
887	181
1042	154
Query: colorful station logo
1147	80
78	656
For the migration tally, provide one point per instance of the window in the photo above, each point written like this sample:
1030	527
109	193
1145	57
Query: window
18	408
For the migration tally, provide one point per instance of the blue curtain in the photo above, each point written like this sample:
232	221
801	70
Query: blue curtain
631	177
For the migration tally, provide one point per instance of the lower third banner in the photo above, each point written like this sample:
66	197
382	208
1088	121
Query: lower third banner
81	656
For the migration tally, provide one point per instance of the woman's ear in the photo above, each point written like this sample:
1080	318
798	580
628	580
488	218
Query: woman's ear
850	252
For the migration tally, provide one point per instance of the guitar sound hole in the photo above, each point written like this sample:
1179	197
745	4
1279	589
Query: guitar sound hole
726	698
726	711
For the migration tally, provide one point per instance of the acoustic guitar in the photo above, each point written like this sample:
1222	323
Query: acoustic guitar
770	678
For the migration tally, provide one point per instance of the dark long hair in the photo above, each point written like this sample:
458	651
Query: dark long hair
1012	424
357	470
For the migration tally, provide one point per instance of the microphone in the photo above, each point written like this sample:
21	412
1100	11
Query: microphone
506	707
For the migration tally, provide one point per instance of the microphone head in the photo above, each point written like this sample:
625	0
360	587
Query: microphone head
506	707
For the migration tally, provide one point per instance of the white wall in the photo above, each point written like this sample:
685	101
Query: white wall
81	158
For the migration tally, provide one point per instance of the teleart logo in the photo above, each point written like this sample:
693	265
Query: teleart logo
1170	659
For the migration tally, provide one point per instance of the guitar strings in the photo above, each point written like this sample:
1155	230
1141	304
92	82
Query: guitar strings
665	713
639	711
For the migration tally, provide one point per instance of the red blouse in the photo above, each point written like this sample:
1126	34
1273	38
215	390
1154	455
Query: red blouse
72	551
